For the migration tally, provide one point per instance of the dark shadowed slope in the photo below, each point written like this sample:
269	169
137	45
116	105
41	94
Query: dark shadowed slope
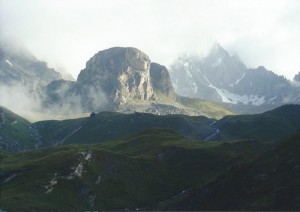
142	171
269	182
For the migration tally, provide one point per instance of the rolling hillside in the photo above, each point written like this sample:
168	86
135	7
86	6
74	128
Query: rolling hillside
148	170
110	125
17	134
267	182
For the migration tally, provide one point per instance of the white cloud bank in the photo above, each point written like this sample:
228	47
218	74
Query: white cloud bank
67	33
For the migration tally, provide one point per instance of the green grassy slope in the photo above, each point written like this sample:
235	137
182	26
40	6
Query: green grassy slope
268	182
211	109
272	125
110	125
16	134
147	170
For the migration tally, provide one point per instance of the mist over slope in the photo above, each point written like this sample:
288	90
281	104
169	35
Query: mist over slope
125	80
117	79
22	78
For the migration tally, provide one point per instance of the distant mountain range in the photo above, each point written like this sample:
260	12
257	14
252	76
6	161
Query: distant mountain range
19	67
223	78
117	79
125	80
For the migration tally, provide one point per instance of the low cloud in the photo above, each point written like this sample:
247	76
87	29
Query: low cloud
63	34
35	104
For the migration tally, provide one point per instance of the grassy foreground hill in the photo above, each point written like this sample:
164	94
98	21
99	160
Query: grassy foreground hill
154	170
267	182
149	170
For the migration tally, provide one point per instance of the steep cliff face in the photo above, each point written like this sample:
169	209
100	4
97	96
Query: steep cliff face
161	80
118	73
23	69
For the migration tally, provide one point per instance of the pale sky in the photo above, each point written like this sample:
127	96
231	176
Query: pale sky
66	33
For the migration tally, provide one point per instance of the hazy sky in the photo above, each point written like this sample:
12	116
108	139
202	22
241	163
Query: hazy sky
66	33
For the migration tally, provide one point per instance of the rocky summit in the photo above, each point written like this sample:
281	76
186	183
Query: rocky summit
124	80
21	68
225	79
120	73
121	79
161	80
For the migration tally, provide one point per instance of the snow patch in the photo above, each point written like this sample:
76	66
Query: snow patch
186	68
78	170
7	61
175	85
85	157
218	62
237	81
189	73
195	87
216	132
49	188
232	98
186	65
228	97
272	100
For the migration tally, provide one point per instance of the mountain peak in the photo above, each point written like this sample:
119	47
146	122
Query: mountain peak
218	50
261	68
121	73
297	77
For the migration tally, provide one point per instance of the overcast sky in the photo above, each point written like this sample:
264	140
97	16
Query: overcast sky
66	33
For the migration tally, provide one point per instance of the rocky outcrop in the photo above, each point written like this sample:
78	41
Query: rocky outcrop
161	80
118	73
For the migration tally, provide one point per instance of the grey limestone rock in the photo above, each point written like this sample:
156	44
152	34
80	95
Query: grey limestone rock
161	80
120	73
